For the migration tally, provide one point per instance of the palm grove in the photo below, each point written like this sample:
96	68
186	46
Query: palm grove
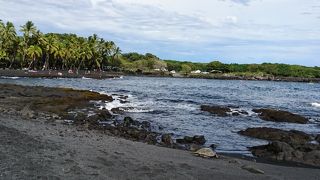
38	51
35	50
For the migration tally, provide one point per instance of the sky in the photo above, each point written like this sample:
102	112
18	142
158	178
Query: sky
232	31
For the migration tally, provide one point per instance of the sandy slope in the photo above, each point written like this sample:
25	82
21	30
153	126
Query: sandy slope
35	149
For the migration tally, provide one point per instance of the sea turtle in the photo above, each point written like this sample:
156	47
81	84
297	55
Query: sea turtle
206	153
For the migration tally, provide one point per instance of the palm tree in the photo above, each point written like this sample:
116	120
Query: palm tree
50	46
85	53
9	38
28	30
1	30
34	52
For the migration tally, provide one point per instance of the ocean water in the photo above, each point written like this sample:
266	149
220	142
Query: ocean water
172	105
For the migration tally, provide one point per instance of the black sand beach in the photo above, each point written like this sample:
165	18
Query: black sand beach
36	144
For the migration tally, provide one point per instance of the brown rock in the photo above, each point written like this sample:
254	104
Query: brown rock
217	110
280	116
273	134
200	140
167	140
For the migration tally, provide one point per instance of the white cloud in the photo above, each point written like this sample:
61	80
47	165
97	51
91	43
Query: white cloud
180	24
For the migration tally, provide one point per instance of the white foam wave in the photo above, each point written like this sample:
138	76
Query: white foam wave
137	110
86	78
317	105
132	105
188	107
7	77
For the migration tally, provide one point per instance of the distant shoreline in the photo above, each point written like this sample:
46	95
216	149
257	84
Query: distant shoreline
108	75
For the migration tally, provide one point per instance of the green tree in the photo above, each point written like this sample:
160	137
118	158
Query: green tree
185	68
34	52
28	30
9	41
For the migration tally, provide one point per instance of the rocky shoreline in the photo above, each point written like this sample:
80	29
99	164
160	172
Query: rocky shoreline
108	75
289	146
67	110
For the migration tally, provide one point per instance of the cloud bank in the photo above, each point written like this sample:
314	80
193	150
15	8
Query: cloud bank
243	31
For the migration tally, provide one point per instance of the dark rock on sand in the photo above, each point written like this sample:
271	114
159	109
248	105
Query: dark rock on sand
199	140
302	153
273	134
217	110
101	115
194	147
280	116
318	138
213	146
151	138
167	140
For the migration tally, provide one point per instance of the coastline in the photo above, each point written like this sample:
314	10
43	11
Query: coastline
56	150
108	75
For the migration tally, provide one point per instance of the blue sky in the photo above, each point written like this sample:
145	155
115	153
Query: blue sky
232	31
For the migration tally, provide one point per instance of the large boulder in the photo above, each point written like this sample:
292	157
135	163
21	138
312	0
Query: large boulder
280	116
281	151
199	140
217	110
273	134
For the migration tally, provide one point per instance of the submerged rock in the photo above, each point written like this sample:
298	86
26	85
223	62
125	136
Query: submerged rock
280	116
217	110
273	134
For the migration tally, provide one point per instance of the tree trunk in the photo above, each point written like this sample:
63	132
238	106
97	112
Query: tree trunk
32	62
46	63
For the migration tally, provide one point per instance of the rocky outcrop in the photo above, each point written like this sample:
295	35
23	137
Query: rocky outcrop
273	134
199	140
280	116
217	110
291	145
282	151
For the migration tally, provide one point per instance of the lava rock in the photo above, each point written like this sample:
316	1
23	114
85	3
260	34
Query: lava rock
151	138
281	151
280	116
199	140
273	134
166	139
318	138
217	110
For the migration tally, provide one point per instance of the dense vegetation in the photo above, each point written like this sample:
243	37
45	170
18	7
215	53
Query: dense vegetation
38	51
282	70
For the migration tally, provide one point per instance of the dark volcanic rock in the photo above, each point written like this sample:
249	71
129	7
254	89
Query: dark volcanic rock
318	138
302	153
101	115
151	138
199	140
273	134
117	110
217	110
166	139
280	116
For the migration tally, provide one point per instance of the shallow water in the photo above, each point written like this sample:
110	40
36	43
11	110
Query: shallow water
173	104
